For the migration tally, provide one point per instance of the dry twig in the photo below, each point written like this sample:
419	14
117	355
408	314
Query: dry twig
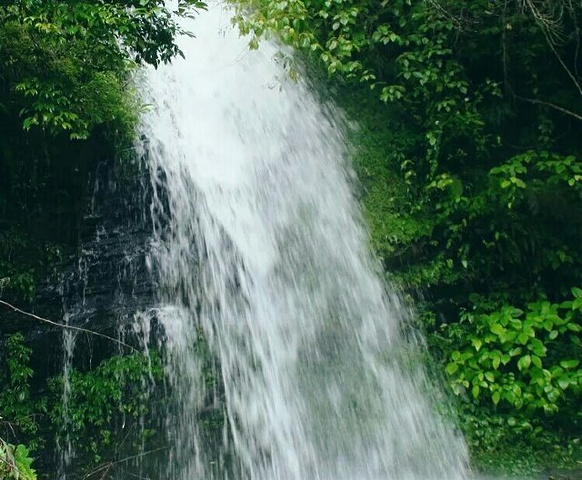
68	327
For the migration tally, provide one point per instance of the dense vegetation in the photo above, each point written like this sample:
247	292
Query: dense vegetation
66	103
113	397
468	150
472	177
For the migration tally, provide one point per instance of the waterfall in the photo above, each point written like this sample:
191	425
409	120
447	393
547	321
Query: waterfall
259	248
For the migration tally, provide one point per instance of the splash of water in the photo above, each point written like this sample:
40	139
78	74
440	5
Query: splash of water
258	241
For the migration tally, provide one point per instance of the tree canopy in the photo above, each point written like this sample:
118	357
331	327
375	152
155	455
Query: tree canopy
66	98
64	65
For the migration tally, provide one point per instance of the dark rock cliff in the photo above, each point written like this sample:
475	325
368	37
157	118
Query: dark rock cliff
105	281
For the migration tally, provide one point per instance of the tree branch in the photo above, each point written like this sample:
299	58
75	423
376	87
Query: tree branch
551	105
109	465
68	327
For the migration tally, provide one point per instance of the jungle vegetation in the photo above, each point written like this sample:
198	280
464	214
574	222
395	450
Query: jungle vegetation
468	149
66	103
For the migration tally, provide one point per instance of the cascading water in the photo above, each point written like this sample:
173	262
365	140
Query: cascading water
258	241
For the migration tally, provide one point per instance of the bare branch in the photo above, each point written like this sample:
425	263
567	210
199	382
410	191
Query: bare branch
551	105
549	16
68	327
570	74
109	465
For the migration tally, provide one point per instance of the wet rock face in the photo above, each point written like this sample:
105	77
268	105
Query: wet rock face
102	287
106	281
108	278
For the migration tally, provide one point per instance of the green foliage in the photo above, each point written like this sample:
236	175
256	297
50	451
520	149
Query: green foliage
527	360
18	410
103	402
107	406
458	109
66	102
514	444
22	261
15	462
17	404
66	69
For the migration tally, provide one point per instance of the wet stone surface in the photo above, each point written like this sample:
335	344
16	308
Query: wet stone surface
105	282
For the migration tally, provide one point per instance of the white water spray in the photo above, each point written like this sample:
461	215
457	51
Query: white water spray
258	241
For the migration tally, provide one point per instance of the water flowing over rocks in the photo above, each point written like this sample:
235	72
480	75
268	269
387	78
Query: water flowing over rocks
237	235
259	243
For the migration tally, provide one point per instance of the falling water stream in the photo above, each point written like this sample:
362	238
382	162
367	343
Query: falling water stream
259	243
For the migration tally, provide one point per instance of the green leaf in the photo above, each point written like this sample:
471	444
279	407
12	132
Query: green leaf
475	391
509	396
563	383
23	463
451	368
515	351
497	329
524	362
548	324
536	361
477	343
574	327
496	397
569	363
